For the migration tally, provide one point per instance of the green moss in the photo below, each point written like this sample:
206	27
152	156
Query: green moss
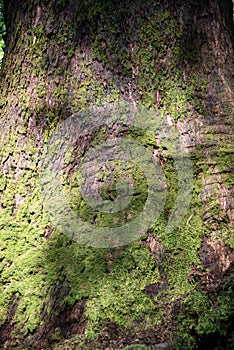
3	182
225	160
120	296
22	266
137	347
204	315
56	336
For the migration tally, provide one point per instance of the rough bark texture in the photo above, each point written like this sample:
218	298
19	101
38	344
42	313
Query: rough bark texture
172	56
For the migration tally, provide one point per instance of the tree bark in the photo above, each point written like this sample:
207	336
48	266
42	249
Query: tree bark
171	57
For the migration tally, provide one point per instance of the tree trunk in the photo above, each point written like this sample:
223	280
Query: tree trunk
172	283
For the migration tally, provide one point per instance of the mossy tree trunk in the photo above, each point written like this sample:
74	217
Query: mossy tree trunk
175	57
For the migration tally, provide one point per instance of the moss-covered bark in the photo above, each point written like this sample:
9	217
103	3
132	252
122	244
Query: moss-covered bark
172	57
